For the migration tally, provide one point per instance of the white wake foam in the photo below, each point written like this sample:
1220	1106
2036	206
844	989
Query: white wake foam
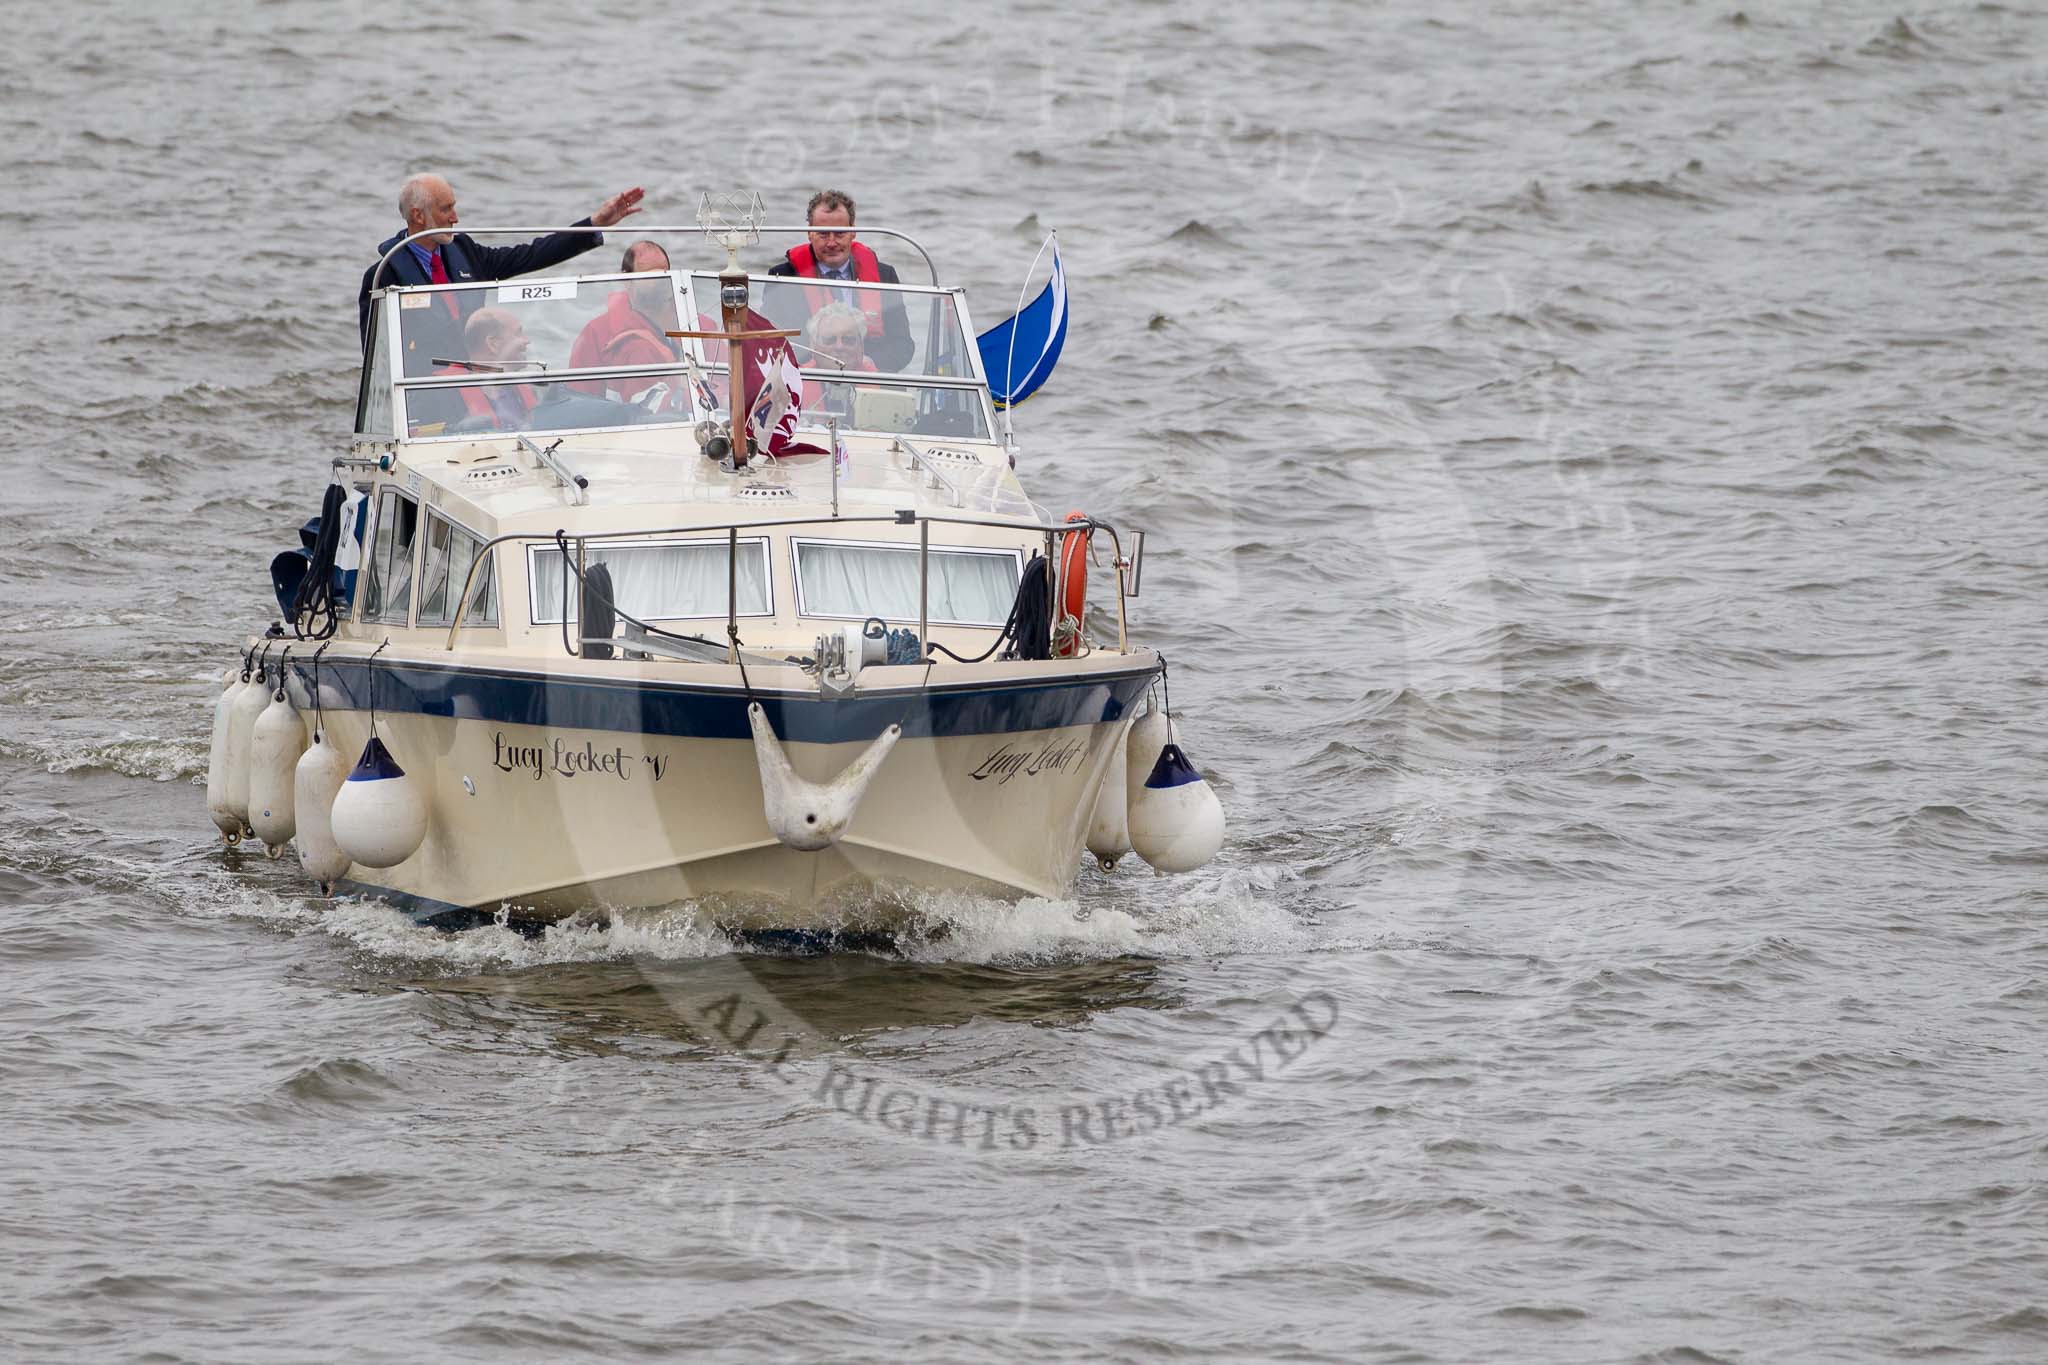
672	933
1231	913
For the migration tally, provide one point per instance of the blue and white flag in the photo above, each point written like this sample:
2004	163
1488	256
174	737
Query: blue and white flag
1018	355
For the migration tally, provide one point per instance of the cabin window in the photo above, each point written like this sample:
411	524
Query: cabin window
388	595
664	581
444	567
857	580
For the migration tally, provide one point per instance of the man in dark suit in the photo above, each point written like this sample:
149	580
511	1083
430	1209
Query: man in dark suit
833	254
427	203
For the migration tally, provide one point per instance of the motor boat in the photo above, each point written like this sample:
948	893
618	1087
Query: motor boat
585	626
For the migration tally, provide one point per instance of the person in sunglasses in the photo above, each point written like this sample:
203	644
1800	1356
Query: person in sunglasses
834	348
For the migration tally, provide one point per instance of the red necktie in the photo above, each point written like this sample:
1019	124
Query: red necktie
440	276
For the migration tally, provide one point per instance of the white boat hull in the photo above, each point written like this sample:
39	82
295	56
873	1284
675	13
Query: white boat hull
547	820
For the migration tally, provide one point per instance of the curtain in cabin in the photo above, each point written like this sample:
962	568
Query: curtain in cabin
658	582
869	580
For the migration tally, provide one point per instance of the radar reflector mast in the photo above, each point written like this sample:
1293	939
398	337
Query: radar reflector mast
732	218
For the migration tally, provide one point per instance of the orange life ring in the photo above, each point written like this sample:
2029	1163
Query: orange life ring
1073	585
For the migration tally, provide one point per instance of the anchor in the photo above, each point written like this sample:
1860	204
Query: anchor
811	815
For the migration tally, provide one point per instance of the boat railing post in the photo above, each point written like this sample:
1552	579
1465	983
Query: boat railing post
1052	594
832	425
732	594
1116	545
924	585
582	626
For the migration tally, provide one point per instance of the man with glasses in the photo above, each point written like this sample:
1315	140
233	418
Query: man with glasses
832	254
835	346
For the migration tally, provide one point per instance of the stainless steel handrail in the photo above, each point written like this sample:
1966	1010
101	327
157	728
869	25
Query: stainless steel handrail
904	517
732	594
695	230
879	286
880	379
538	376
920	460
573	483
1116	545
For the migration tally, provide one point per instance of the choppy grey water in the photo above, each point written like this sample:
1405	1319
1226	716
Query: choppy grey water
1593	456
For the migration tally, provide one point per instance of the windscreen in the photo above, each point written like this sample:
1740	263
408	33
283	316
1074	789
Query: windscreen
851	341
517	341
850	328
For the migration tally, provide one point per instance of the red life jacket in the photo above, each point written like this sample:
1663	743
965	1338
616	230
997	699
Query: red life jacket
478	403
866	269
621	335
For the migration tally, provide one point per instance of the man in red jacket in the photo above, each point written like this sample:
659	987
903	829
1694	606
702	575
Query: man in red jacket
833	254
632	330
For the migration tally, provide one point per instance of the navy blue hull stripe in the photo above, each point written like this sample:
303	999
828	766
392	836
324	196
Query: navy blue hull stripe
684	712
419	908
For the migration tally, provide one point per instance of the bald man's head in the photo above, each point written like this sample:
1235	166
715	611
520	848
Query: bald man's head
494	336
654	299
644	255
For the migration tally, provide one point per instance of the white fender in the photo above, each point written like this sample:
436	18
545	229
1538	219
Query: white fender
274	748
810	815
216	763
242	713
1176	820
379	817
315	782
1109	829
1150	733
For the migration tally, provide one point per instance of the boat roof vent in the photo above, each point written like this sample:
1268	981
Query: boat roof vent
766	492
490	473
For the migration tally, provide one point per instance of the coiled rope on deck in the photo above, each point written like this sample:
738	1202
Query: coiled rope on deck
1028	628
603	594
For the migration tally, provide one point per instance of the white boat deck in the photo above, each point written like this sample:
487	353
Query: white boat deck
659	475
